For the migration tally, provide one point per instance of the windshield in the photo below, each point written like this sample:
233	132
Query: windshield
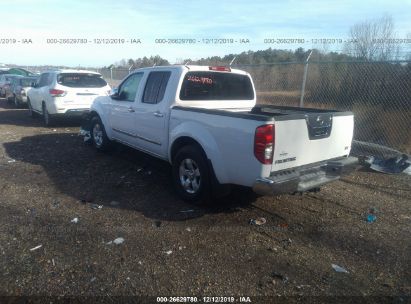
216	86
81	80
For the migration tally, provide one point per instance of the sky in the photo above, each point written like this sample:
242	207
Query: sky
245	25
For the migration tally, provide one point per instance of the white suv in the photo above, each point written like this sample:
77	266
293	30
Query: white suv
65	93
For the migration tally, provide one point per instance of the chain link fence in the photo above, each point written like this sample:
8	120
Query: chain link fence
379	94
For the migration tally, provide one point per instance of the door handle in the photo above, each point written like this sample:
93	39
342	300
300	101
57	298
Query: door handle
158	114
130	109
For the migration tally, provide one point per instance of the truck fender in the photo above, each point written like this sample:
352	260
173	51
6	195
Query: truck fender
205	139
98	109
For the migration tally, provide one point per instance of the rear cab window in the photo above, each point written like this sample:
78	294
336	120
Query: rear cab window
204	85
81	80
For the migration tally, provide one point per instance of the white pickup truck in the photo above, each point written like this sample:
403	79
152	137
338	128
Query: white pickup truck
205	122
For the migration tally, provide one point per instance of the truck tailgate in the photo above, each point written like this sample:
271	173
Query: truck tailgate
313	138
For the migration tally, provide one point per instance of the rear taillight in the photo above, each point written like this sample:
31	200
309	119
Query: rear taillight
219	68
57	93
264	144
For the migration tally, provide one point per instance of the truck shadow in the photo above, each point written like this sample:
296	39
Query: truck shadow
121	178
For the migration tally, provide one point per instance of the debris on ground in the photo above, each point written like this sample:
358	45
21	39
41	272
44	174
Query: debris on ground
260	221
93	279
86	135
55	204
117	241
74	220
168	252
302	286
279	276
393	165
339	268
371	215
96	206
187	211
286	242
52	260
188	229
32	211
35	248
11	161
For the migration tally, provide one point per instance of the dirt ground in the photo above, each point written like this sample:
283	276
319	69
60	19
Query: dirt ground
48	177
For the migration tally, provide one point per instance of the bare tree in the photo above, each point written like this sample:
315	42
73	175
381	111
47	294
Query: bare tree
373	40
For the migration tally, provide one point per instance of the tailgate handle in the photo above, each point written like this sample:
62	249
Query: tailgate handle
319	125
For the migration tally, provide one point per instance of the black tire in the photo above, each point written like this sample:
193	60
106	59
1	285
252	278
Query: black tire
100	140
32	114
47	118
196	178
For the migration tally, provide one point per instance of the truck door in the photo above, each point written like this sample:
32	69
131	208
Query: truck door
122	109
152	112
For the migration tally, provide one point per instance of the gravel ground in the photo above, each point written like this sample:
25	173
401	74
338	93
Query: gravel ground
48	177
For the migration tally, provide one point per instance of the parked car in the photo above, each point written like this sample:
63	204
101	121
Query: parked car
66	93
19	88
205	122
5	83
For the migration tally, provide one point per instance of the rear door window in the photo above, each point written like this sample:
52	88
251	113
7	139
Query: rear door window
216	86
81	80
155	87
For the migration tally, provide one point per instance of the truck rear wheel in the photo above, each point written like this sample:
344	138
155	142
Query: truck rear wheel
98	134
191	175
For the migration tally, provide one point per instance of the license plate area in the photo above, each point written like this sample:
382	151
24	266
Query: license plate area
319	125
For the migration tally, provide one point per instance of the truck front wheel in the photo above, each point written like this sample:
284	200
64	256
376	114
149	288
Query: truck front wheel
191	175
98	134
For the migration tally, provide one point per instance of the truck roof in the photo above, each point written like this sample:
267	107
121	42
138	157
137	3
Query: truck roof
194	68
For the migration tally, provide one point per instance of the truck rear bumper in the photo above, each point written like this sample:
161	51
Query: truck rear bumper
305	178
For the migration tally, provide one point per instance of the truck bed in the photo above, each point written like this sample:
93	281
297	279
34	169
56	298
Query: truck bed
266	112
302	136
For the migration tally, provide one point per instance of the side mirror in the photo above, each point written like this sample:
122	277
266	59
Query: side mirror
114	94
